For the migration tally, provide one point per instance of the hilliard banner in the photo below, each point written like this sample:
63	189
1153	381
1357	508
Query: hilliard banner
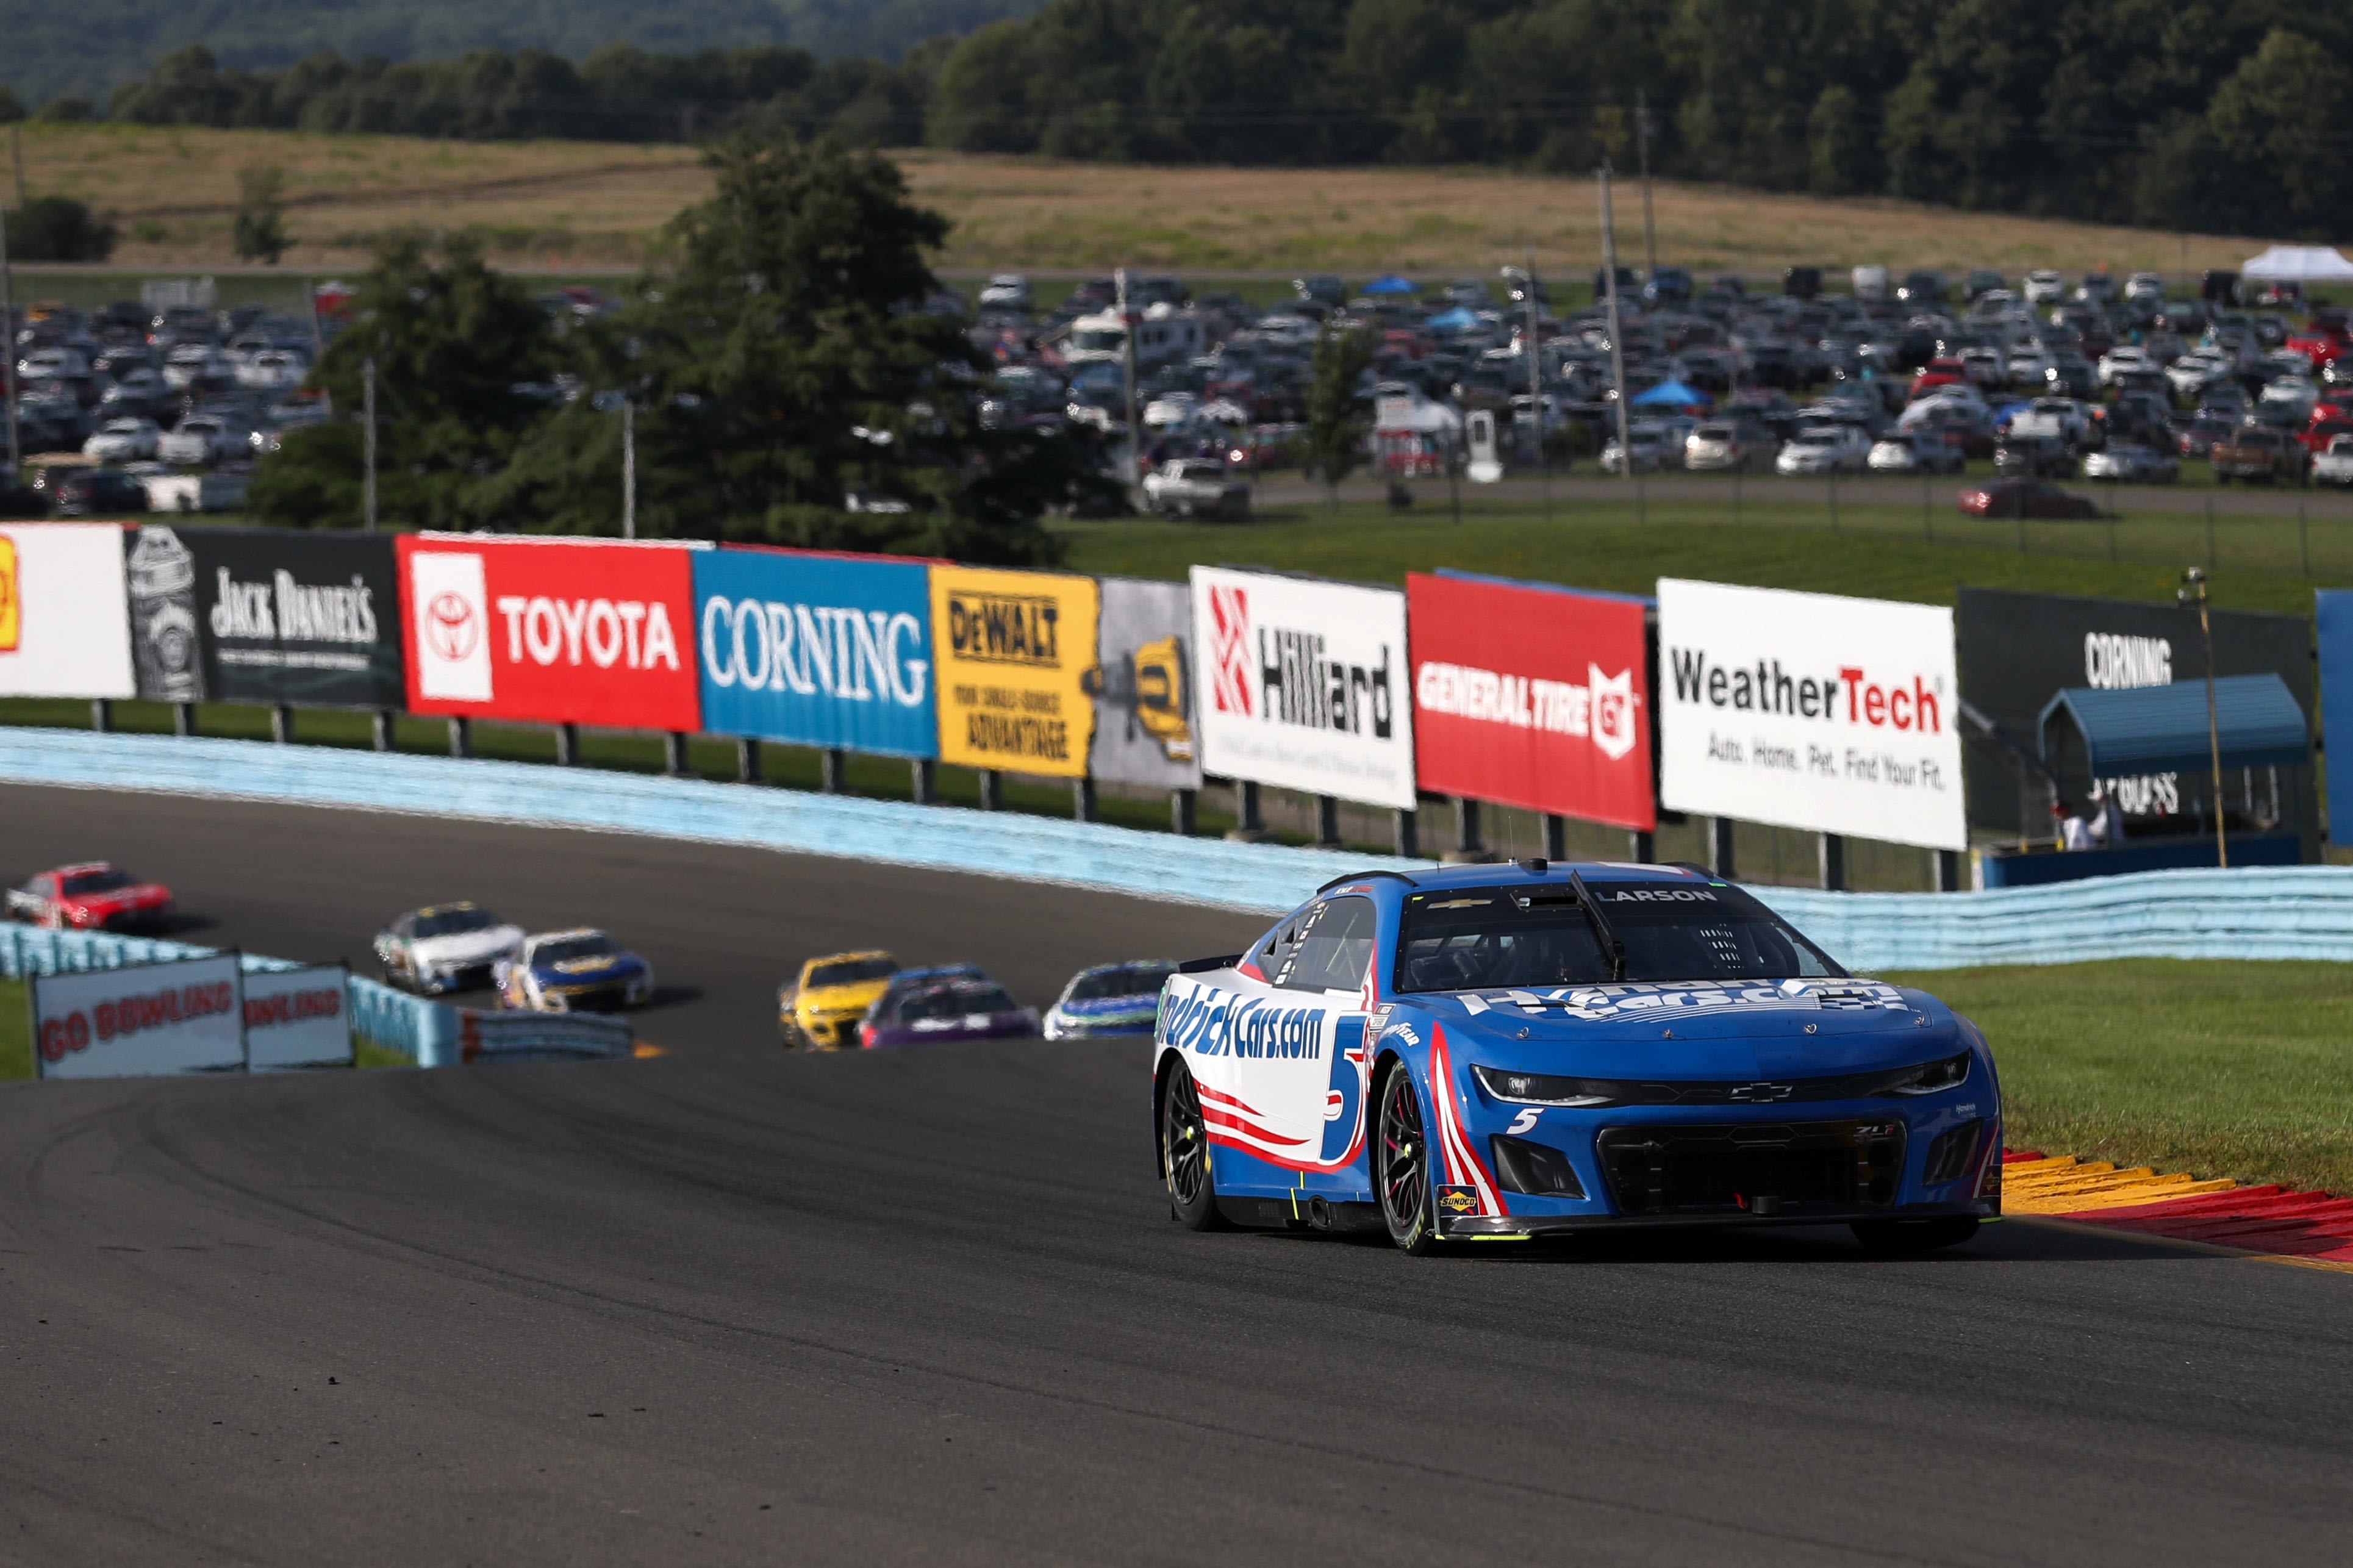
1144	685
266	615
64	623
1305	685
1532	696
1014	649
1810	710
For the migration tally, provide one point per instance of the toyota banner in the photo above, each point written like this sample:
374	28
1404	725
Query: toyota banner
265	616
550	631
1532	696
1811	710
816	649
1306	685
64	623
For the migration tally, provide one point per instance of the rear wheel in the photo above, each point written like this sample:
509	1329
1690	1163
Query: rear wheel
1900	1237
1185	1153
1401	1166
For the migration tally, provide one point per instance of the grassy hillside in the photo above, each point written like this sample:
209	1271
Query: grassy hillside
173	191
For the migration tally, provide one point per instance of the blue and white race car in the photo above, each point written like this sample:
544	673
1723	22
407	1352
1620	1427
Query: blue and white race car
1109	999
579	971
1490	1052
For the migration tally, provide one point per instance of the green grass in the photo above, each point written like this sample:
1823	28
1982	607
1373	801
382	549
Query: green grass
2216	1068
15	1030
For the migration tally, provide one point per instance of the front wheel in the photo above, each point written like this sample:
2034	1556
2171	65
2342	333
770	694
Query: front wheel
1185	1153
1913	1236
1401	1166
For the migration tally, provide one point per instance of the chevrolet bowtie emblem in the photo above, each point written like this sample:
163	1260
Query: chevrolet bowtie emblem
1761	1093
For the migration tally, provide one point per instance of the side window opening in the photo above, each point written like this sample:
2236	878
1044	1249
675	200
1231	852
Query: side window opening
1334	951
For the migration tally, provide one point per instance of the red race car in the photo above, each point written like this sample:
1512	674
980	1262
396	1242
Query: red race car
2027	498
93	897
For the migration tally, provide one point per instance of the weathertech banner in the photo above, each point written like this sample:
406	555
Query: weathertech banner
297	1018
1014	650
64	622
1143	683
1532	696
185	1016
279	616
1810	710
1306	685
816	649
550	631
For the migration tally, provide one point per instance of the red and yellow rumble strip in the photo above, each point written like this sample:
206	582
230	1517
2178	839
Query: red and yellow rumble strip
2312	1229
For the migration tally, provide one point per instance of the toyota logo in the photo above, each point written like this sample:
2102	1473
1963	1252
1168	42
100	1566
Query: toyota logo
452	626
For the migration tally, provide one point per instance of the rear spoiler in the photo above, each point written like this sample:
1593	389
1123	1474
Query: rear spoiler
1202	965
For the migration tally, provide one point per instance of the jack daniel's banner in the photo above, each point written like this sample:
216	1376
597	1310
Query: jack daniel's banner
265	616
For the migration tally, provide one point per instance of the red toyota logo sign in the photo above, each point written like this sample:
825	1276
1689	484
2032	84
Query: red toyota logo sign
454	627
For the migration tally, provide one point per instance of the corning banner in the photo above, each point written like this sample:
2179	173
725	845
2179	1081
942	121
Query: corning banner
1013	650
2018	650
278	616
550	631
64	622
1305	685
1532	696
182	1016
1810	710
816	649
1147	702
297	1018
2336	617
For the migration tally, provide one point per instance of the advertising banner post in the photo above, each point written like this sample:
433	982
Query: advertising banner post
817	650
1306	685
1811	710
550	631
181	1016
65	628
267	616
1532	696
1146	700
297	1018
1014	649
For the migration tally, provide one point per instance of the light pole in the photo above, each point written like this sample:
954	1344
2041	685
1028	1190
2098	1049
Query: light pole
2194	593
1617	325
8	344
628	467
1643	143
1127	366
367	417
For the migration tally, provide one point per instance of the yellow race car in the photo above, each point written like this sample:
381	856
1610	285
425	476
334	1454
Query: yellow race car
819	1011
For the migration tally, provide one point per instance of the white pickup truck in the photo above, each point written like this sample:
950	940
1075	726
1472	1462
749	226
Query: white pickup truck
1196	487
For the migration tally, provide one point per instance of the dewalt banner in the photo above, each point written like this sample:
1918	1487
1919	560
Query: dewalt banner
1014	649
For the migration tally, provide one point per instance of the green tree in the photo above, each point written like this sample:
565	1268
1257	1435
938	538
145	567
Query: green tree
2277	120
59	228
1337	420
260	232
456	346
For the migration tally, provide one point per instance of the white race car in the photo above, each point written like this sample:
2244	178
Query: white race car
445	947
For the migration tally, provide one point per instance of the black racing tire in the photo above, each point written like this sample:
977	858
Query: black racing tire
1401	1164
1902	1238
1185	1153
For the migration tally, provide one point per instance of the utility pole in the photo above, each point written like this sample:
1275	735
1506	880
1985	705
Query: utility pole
2195	594
1643	143
628	467
1127	364
16	146
1617	325
367	417
8	350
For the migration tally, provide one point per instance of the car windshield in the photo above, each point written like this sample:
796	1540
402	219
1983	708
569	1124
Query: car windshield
1540	934
1127	980
955	1001
456	921
851	972
572	947
106	881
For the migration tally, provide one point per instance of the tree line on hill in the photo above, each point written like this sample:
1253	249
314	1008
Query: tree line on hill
2218	115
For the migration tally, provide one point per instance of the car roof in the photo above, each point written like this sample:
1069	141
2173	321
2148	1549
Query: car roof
1386	884
537	937
78	869
846	957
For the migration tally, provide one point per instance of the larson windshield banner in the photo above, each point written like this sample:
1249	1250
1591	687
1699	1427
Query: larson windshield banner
1014	649
550	631
64	621
267	616
1532	696
1305	685
1144	685
816	649
1810	710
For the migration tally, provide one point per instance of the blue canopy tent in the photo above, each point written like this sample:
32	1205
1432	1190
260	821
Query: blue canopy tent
1458	319
1673	394
1390	284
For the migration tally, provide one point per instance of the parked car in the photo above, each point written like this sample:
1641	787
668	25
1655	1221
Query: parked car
1651	449
2062	419
201	440
1870	282
96	493
1006	291
2253	452
1825	450
1109	999
2132	465
1196	487
1724	445
2123	359
2027	498
2045	286
94	896
2335	467
945	1011
2033	457
2195	437
121	440
1915	452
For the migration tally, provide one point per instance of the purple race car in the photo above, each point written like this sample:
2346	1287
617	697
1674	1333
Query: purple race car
963	1009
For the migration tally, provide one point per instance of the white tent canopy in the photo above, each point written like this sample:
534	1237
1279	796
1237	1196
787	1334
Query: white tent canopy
2299	264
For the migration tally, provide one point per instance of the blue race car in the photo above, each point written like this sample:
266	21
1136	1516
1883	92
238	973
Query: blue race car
580	971
1492	1052
1109	999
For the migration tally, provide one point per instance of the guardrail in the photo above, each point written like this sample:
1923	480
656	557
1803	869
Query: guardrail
2272	912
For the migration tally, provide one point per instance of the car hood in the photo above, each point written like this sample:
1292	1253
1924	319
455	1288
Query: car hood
841	998
1099	1007
467	946
1701	1031
588	971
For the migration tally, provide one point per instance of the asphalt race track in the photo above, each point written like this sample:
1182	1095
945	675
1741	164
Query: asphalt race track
927	1307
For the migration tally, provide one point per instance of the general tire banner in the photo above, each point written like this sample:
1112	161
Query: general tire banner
297	1018
267	616
816	649
1014	649
550	631
1144	685
1532	696
2018	650
1810	710
1305	685
182	1016
64	627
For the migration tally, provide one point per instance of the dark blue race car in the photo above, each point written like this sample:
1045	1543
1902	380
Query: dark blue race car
1487	1052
